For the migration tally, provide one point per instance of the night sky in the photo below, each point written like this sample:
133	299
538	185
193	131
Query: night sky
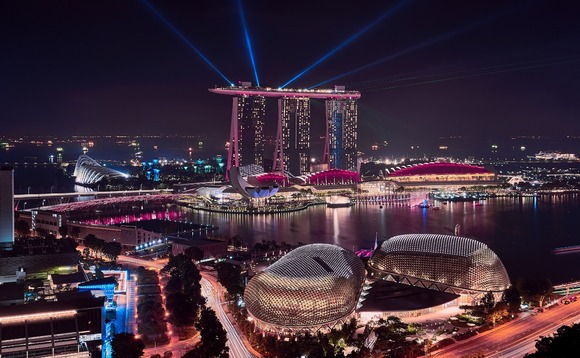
425	68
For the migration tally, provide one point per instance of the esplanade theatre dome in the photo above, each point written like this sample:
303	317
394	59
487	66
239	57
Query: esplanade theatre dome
442	262
312	288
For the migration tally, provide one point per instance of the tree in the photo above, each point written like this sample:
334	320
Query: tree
511	297
189	274
63	231
112	250
194	253
564	343
488	301
125	345
22	227
534	290
75	232
498	312
94	243
230	276
213	337
182	311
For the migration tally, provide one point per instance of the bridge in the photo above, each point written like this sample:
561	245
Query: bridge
36	200
567	288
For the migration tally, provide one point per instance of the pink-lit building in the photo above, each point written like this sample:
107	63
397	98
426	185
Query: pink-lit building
440	172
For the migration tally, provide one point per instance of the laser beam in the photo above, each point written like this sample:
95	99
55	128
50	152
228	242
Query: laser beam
347	41
427	43
480	74
185	40
248	42
369	86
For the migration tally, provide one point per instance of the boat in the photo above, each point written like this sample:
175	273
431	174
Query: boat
338	202
554	155
424	204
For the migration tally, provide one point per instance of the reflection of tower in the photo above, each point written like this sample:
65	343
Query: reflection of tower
340	149
6	207
293	138
247	131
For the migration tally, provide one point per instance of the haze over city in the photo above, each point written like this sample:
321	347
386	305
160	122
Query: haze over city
424	68
266	179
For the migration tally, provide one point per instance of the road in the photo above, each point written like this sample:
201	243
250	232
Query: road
212	291
516	338
235	342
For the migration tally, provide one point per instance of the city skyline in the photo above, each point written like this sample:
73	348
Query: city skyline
447	68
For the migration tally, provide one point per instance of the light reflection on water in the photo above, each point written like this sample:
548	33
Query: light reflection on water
522	231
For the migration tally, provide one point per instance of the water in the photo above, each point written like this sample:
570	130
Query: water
521	231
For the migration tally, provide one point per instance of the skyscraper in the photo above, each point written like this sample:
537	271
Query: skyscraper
292	153
6	207
341	140
251	113
294	133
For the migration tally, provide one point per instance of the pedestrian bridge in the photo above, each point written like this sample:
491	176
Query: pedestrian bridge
567	288
28	201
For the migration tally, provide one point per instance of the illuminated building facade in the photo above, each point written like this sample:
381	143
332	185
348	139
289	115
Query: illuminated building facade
441	262
293	140
6	207
250	120
293	126
74	328
88	171
341	140
440	172
313	288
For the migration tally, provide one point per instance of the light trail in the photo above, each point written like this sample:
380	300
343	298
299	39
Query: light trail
459	76
515	338
185	40
235	343
347	41
419	46
248	42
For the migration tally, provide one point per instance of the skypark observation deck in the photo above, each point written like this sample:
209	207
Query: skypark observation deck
286	92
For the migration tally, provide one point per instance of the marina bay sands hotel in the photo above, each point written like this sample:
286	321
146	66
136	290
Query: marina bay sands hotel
293	138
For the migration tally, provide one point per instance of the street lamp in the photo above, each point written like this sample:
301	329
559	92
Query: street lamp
29	190
52	187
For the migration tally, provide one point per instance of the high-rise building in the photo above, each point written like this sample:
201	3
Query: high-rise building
341	142
251	113
294	132
292	153
6	207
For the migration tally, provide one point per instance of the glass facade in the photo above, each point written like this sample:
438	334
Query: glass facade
251	113
296	134
312	288
342	132
88	171
452	261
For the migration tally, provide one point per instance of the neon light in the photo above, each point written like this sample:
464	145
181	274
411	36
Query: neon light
347	41
186	41
248	42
